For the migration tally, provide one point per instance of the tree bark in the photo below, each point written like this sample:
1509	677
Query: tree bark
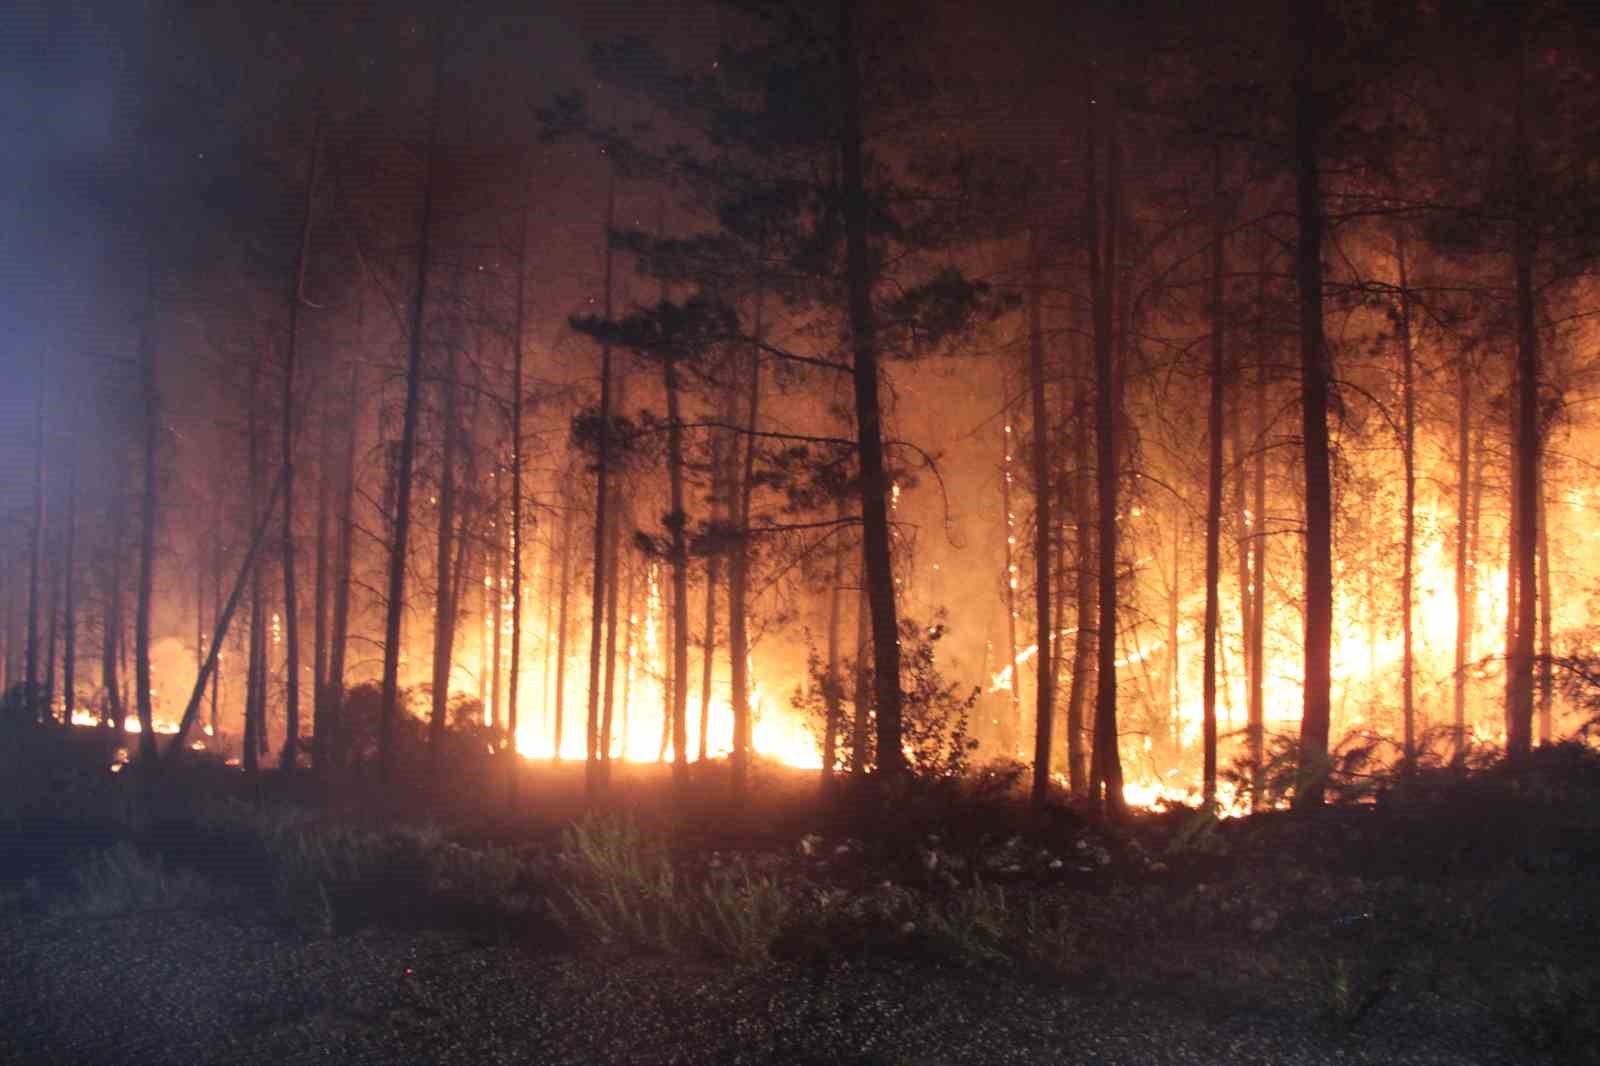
1408	550
417	317
1309	128
1464	583
339	637
1083	653
1102	274
36	564
1043	523
602	502
561	625
869	436
69	658
719	488
1525	449
445	602
1013	718
678	522
291	593
147	535
1214	411
738	579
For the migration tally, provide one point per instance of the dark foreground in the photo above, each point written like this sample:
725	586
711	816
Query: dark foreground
1455	921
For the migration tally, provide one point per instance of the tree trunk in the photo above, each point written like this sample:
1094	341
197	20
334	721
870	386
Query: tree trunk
1083	652
561	624
69	657
1043	524
147	536
738	579
1219	387
1309	123
254	696
1546	623
111	621
417	316
1102	274
719	488
620	516
291	604
860	733
1408	550
869	434
1525	450
1464	590
1013	718
319	606
602	502
833	685
1258	609
339	638
192	708
36	562
678	523
445	603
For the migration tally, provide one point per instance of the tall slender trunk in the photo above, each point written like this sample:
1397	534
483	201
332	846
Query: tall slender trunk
1310	120
859	284
1102	275
1012	721
215	728
738	577
561	624
1464	596
514	680
1408	550
254	696
52	608
36	562
620	516
291	593
417	317
1258	572
833	686
1174	663
445	602
860	732
602	502
678	522
69	658
1083	652
1525	448
708	657
631	602
497	618
111	620
1219	386
320	577
1546	623
1045	694
147	534
339	637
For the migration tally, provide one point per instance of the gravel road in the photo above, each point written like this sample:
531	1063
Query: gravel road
172	986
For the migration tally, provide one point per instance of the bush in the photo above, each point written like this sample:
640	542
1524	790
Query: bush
626	890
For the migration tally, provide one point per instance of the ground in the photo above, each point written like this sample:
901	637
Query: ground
1454	920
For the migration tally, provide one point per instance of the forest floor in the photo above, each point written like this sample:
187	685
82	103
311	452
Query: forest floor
199	919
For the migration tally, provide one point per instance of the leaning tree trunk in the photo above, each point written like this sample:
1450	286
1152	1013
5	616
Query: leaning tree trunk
1309	124
869	416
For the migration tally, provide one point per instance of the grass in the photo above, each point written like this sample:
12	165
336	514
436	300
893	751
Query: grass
1472	890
